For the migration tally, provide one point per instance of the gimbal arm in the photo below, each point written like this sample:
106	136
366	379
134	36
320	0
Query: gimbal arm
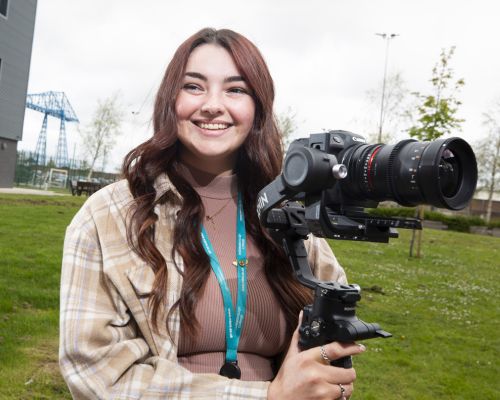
288	226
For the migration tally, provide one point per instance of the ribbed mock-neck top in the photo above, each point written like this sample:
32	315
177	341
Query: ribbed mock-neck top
263	336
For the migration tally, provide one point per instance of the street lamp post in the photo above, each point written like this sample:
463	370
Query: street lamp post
387	37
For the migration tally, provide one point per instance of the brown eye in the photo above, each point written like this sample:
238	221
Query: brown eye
238	90
191	87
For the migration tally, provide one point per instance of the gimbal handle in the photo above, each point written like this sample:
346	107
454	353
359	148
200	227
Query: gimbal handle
332	315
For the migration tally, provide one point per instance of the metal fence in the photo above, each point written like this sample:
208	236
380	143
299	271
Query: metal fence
30	173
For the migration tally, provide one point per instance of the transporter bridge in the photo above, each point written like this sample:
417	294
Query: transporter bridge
55	104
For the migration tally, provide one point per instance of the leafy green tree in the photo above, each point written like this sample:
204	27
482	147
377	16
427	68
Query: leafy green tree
488	156
437	113
100	135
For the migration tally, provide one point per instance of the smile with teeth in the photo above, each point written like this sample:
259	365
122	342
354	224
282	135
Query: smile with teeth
212	126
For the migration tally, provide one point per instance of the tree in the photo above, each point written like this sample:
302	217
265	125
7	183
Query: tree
287	125
437	114
100	136
488	156
393	110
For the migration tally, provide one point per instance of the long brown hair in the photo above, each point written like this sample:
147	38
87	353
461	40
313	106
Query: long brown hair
261	153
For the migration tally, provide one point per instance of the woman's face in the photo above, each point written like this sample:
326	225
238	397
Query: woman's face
215	110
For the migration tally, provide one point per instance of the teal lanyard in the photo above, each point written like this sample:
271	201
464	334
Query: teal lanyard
234	320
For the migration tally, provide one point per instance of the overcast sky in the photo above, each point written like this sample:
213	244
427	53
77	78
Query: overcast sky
323	55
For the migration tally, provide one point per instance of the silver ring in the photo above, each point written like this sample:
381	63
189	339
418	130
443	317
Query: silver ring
342	391
324	356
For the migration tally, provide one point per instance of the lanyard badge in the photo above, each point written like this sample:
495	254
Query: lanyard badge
234	317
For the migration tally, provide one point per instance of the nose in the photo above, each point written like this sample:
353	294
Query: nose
213	104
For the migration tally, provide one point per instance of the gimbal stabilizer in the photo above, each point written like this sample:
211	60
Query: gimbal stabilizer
332	315
333	197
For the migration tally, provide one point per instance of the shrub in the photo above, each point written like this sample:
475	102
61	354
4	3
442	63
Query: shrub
459	223
393	212
494	224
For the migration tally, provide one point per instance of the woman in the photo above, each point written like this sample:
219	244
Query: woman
151	303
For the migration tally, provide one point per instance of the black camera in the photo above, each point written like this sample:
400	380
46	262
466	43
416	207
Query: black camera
327	182
442	173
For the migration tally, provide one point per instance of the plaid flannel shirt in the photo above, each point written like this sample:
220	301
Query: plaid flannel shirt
108	349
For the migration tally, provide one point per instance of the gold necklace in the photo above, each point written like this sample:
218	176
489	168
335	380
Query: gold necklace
211	217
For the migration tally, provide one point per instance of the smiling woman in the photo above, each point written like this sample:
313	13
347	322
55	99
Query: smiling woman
155	301
215	110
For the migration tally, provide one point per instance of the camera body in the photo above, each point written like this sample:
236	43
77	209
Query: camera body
442	173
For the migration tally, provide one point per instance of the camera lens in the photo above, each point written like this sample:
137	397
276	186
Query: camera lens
449	173
442	173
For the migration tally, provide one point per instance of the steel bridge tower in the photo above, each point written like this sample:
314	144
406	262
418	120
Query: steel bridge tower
55	104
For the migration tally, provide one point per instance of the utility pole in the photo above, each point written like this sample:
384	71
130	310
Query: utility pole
387	37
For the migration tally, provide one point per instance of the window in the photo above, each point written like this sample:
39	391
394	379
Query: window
3	7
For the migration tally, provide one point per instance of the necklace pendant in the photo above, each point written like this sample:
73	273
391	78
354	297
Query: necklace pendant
230	370
211	220
241	263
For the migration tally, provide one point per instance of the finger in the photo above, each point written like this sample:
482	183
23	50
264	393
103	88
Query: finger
294	342
349	389
337	374
336	350
333	351
343	390
332	391
322	370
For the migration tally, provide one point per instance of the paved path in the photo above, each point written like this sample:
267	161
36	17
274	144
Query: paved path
30	191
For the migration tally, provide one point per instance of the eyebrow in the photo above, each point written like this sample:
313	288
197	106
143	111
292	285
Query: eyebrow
236	78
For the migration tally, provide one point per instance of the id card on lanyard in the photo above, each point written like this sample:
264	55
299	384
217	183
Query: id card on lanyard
234	317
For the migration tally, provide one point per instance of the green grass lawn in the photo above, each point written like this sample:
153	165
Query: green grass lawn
31	237
443	309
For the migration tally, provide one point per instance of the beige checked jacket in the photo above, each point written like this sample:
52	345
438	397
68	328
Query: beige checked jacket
108	349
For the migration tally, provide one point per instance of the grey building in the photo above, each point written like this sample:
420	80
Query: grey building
17	23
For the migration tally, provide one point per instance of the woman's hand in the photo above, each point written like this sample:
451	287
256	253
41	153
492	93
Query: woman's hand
306	375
